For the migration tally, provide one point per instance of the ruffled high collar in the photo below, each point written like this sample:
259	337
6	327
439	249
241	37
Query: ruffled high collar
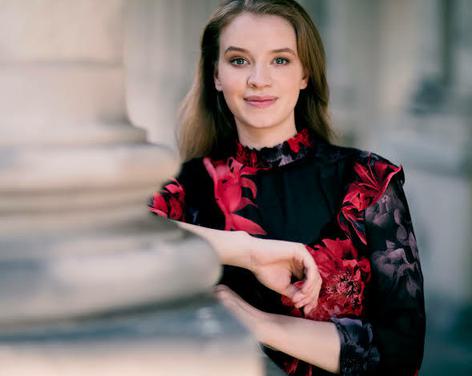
295	148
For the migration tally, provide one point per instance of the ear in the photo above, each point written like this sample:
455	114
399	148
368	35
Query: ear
216	80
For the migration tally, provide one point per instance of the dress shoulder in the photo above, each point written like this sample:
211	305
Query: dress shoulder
372	174
366	176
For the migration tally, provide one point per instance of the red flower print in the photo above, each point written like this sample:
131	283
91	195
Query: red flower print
373	177
301	138
371	181
343	280
169	201
229	178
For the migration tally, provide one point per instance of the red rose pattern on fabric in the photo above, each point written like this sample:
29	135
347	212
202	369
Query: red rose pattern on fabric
169	201
371	181
302	138
344	273
229	178
344	279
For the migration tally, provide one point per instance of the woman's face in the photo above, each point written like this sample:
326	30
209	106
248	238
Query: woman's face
259	72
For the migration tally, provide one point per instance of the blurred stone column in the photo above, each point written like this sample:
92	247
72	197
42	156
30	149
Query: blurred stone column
70	158
89	282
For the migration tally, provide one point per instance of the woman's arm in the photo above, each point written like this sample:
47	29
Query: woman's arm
273	262
391	339
232	247
314	342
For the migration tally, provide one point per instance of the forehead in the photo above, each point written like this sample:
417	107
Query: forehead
257	32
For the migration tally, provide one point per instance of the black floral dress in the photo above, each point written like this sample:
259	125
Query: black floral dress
349	209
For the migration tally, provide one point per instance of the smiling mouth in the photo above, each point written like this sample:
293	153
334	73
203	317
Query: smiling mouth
260	102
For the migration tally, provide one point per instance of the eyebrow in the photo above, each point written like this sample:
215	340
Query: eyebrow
279	50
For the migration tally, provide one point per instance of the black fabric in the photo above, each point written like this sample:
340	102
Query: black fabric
327	197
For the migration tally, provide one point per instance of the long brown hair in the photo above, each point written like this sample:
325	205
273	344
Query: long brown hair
206	125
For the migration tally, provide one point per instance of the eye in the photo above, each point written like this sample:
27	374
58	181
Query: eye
238	61
281	61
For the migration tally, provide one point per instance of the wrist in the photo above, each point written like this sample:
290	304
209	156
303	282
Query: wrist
244	243
234	248
264	327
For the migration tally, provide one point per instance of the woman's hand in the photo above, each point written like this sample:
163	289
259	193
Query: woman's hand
274	262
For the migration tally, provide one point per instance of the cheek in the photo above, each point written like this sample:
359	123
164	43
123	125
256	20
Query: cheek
291	81
232	80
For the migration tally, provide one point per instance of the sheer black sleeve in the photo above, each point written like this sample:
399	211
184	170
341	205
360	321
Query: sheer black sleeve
170	201
390	341
188	197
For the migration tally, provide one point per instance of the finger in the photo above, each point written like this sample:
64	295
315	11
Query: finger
304	302
308	285
317	289
291	291
309	299
223	292
311	272
221	287
300	295
226	298
227	293
309	308
308	265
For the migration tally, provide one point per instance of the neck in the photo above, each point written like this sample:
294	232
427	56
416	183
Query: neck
258	138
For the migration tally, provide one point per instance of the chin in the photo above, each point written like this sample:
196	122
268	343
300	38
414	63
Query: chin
261	125
261	121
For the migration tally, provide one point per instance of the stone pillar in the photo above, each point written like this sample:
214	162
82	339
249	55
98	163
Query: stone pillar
70	157
89	282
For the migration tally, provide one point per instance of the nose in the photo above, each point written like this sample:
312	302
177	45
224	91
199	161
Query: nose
259	77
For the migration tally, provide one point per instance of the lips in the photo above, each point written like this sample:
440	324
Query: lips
260	101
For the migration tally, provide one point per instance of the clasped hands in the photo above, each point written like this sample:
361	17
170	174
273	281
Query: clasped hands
273	262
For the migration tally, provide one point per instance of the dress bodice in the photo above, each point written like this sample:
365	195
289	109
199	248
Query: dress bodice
348	208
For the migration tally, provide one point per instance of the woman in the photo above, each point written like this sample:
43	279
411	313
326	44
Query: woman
319	251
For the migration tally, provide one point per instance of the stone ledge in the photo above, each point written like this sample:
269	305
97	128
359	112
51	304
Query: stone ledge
64	169
71	134
194	336
78	283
